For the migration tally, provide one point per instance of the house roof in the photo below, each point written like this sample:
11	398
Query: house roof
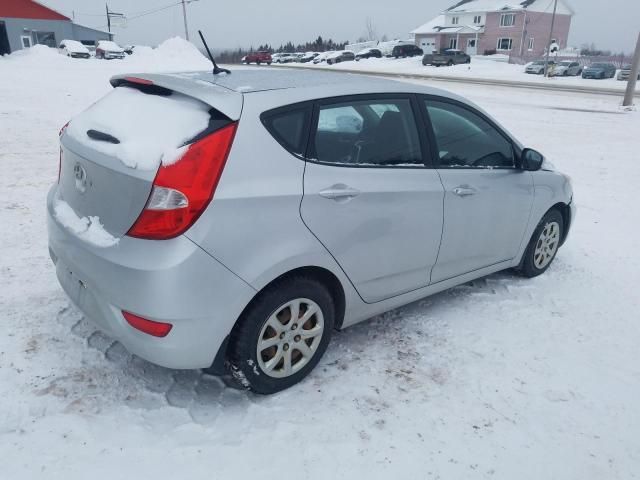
28	9
489	5
437	25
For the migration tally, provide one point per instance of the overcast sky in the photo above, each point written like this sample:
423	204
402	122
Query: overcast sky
611	24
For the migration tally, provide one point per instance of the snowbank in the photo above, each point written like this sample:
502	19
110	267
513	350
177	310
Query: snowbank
149	127
174	53
88	229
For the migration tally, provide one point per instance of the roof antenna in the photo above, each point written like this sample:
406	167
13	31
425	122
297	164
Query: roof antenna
216	69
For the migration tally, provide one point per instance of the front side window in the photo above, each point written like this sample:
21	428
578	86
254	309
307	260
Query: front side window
374	133
507	19
465	140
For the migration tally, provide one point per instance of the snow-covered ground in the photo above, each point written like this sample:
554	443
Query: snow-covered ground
502	378
480	68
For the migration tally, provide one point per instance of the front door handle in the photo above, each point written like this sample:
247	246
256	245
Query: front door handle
464	191
339	192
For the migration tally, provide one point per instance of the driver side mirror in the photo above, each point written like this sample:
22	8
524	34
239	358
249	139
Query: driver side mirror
531	160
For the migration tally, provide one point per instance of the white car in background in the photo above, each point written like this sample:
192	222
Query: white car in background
107	50
73	49
567	68
323	57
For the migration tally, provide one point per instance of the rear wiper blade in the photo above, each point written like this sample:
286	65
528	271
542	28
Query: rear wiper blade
102	137
216	69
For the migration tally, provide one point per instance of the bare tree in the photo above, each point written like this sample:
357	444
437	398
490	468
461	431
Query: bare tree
370	29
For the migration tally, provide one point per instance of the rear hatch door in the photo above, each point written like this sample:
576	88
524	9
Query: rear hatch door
111	152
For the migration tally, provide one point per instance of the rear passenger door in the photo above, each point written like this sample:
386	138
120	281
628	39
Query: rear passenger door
370	195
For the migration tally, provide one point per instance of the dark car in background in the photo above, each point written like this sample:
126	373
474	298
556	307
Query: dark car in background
341	56
369	53
407	50
258	58
447	57
599	70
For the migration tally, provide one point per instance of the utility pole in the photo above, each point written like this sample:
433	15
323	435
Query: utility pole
108	18
633	76
553	21
184	14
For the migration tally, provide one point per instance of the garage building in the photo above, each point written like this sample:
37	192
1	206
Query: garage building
24	23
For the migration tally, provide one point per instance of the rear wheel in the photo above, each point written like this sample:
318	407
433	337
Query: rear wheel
544	244
282	335
450	63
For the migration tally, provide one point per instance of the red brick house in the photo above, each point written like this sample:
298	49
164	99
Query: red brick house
513	27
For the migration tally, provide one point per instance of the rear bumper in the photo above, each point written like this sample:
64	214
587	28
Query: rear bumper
172	281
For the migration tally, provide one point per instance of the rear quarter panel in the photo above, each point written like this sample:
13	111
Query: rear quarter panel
253	225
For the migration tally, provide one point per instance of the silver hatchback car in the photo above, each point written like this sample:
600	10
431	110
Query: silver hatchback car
232	222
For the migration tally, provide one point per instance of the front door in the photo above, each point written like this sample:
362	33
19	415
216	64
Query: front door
487	199
368	196
472	46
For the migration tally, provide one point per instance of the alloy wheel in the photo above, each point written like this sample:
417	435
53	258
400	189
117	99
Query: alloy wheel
547	245
290	338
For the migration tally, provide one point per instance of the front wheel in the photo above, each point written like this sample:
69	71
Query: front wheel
282	335
544	244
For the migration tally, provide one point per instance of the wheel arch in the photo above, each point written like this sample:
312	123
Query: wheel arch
320	274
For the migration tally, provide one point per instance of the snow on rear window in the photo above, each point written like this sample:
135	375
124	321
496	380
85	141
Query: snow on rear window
150	128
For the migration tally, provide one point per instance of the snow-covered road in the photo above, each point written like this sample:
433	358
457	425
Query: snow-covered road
503	378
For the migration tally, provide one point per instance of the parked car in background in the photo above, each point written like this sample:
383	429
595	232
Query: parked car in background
368	53
447	57
323	57
567	68
154	254
308	57
286	58
340	56
258	58
625	73
73	49
599	70
92	50
108	50
407	50
537	67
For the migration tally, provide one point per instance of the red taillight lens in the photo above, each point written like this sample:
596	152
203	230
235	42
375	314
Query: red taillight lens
183	190
156	329
64	127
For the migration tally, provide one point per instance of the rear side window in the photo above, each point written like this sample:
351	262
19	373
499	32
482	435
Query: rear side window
289	127
367	133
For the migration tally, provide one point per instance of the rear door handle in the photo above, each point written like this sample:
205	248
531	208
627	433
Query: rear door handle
464	191
339	192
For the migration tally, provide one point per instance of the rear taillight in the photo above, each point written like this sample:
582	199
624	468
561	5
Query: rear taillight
64	127
150	327
181	191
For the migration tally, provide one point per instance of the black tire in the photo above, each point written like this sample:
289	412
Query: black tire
450	63
468	60
527	266
242	358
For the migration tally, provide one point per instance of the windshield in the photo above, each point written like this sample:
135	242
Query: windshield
565	64
599	65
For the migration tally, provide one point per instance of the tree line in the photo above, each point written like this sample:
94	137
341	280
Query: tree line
318	45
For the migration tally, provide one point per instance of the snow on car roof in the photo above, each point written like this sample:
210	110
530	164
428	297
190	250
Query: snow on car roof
109	44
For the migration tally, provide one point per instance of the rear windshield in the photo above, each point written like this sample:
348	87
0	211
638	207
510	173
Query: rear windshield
142	130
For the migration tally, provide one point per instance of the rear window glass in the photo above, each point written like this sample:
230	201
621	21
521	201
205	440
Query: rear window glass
289	127
142	130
